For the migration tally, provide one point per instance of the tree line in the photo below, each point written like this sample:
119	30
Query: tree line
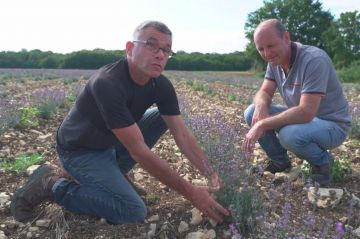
94	59
306	20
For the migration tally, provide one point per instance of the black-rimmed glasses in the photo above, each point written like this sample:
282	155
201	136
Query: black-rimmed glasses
154	47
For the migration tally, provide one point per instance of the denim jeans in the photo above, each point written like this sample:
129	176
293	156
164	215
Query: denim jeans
309	141
103	191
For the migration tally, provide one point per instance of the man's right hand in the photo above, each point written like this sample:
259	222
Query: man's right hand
201	199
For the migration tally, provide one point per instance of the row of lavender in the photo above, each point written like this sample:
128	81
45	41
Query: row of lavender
251	213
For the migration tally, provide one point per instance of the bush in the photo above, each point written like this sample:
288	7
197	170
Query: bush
22	162
351	73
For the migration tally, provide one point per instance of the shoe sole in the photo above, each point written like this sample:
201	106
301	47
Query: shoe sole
19	193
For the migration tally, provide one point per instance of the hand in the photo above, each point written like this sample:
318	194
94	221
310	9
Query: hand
251	137
215	183
201	199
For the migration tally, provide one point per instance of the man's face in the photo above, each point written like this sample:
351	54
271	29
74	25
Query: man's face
271	47
145	55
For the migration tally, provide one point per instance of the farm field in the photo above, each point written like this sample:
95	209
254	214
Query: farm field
262	207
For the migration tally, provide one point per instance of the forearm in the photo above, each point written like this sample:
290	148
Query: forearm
262	100
294	115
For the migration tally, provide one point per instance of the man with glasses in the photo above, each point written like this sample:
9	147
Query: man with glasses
316	116
110	128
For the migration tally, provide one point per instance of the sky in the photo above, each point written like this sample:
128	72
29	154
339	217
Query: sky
205	26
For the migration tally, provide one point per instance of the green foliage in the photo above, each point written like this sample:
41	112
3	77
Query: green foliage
198	86
22	162
245	206
350	73
340	169
342	39
232	97
28	117
355	128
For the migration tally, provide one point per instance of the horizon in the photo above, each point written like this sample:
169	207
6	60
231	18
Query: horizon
71	26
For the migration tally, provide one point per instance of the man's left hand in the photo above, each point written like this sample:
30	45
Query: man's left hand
255	133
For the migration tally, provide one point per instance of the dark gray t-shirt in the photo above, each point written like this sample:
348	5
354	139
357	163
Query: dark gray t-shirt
110	100
313	72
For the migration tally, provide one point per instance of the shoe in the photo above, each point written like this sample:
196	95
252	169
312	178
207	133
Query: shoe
322	174
36	190
276	167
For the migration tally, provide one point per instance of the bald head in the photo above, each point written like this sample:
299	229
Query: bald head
271	24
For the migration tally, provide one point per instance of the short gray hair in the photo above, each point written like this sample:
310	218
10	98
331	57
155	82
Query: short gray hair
161	27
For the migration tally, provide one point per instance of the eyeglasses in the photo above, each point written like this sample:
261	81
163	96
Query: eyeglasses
154	47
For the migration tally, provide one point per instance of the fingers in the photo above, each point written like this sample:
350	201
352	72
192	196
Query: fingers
216	211
248	146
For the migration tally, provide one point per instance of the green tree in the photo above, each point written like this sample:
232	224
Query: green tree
304	19
343	39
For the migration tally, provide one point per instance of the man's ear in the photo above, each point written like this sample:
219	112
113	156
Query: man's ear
129	48
287	36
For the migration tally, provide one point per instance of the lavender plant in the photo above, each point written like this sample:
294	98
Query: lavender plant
219	141
48	100
355	124
9	116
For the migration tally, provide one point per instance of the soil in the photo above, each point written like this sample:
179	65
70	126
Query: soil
170	207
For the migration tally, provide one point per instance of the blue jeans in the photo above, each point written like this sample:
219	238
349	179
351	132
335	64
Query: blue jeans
103	190
310	141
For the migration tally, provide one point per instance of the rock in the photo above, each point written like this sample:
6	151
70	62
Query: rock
4	198
183	227
196	235
31	169
43	223
196	217
325	197
356	232
2	235
211	234
43	137
153	218
138	176
213	222
33	229
152	231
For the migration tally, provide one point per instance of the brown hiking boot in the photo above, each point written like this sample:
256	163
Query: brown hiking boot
36	190
322	174
275	167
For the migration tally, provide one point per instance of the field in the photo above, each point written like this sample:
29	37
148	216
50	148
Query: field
34	102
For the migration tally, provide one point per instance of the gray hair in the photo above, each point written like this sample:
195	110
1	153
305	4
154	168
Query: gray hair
161	27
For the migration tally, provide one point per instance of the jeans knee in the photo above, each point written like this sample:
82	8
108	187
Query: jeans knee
288	138
248	114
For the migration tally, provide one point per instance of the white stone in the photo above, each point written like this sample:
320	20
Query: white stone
196	217
211	234
152	231
43	223
2	235
356	232
213	222
138	176
33	229
327	197
153	218
31	169
183	227
196	235
4	198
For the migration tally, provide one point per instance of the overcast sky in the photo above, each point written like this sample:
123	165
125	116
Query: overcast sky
71	25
